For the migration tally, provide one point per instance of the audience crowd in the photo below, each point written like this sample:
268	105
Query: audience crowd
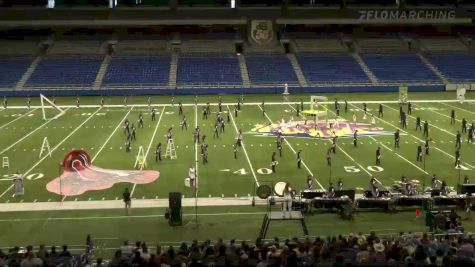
405	249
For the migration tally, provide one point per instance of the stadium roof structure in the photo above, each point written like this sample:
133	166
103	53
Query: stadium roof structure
146	16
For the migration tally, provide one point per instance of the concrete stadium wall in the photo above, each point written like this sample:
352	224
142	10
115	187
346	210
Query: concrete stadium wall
207	91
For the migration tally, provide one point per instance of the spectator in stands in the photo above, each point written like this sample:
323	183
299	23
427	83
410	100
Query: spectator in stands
118	260
467	249
14	258
420	255
42	252
127	249
3	258
65	252
53	253
31	260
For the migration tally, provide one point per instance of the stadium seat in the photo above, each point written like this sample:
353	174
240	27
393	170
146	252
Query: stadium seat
208	70
270	68
456	66
331	68
398	67
137	71
63	71
12	69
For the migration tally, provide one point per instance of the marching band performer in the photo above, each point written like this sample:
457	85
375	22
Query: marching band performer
331	191
466	180
434	182
192	175
273	162
373	187
309	182
287	205
444	189
340	184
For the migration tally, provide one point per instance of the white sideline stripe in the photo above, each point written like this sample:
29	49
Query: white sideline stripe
357	163
293	150
246	104
53	149
148	149
433	125
26	136
466	110
441	114
124	217
244	148
107	141
420	140
17	118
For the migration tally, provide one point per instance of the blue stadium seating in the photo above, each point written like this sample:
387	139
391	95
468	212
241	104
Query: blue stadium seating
399	68
137	71
271	68
457	66
331	68
67	70
208	69
12	69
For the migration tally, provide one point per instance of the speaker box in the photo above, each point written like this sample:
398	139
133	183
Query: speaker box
174	203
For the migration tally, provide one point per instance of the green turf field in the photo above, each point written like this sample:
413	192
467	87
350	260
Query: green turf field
98	131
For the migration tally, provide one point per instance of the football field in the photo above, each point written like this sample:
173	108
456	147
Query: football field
98	131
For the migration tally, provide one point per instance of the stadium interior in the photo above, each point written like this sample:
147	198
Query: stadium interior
102	62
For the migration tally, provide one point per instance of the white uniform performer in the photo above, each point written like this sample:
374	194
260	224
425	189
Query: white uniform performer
287	207
18	184
192	176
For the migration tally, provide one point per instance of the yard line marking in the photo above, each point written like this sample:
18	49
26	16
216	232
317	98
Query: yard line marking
293	150
105	143
17	118
397	154
196	153
26	136
149	146
438	128
110	136
417	138
244	149
352	159
469	111
54	148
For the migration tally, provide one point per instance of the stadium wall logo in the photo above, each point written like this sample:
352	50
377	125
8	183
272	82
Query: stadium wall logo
406	14
319	129
262	31
79	176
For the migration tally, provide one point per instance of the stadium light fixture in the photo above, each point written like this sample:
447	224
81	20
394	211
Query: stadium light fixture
233	3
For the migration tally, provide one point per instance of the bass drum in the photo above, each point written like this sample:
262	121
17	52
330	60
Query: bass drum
279	188
263	191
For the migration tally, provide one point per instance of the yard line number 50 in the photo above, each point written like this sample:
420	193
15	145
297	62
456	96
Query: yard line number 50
369	168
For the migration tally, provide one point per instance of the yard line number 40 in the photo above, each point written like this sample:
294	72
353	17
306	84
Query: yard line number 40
31	176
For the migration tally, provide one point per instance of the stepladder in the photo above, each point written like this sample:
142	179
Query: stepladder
5	162
171	151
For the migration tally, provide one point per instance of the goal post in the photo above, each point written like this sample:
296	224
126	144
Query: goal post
46	103
316	102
